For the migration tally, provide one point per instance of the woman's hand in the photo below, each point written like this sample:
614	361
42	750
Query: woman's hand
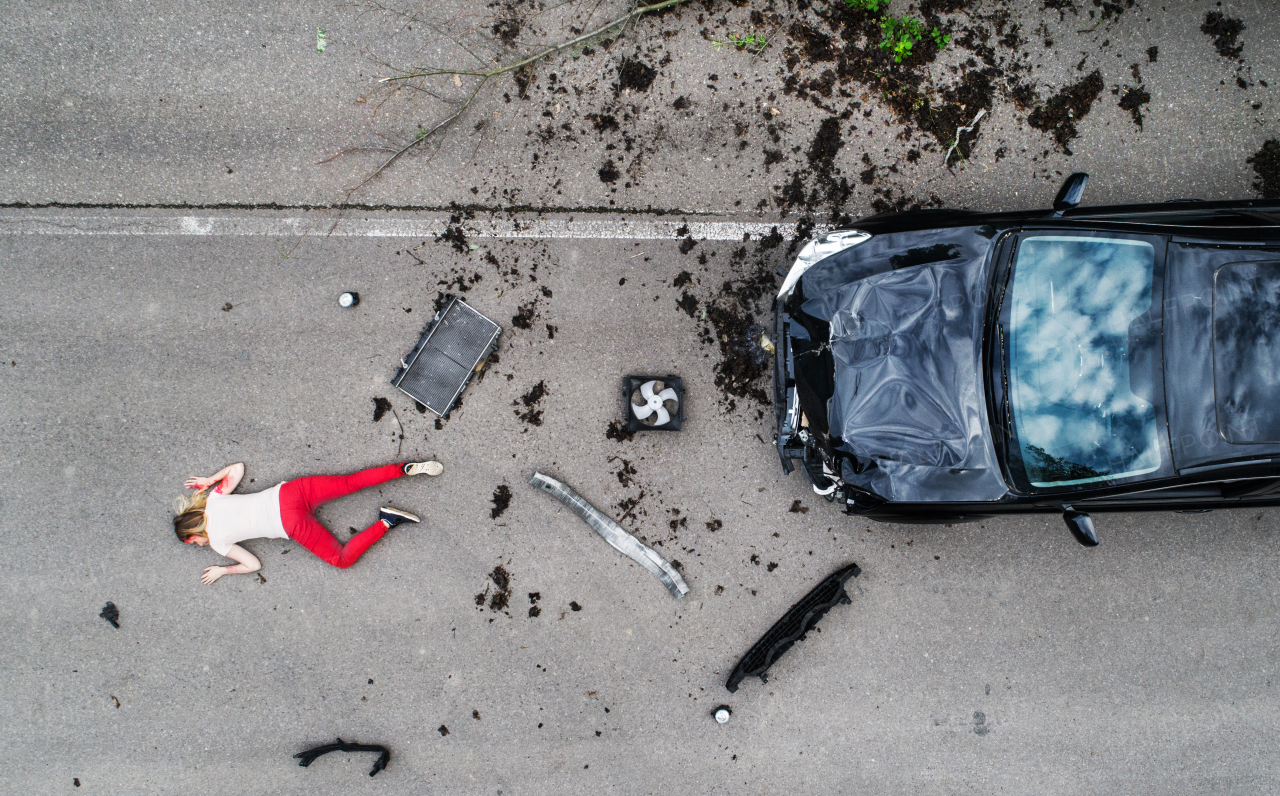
199	483
211	574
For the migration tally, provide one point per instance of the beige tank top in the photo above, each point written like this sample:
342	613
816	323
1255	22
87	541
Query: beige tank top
230	519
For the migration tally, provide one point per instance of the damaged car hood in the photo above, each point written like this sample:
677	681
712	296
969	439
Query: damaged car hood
909	400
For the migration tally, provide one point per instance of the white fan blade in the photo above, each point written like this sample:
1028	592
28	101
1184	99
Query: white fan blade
669	395
646	390
663	417
641	412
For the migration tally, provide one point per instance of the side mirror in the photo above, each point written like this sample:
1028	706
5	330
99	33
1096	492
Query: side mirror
1081	526
1071	192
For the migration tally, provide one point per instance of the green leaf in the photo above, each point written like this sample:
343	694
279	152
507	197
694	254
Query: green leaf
322	40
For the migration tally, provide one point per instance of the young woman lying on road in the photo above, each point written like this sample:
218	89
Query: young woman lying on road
220	519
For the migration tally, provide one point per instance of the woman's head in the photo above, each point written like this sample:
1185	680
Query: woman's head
189	523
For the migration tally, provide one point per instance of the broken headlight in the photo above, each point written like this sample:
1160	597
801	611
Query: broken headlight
817	250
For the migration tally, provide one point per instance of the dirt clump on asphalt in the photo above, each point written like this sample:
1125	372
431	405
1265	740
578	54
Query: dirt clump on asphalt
500	595
1224	31
531	401
501	499
380	407
1266	164
618	431
1058	116
523	319
1132	100
635	74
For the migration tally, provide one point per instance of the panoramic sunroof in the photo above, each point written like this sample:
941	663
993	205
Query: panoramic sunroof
1246	351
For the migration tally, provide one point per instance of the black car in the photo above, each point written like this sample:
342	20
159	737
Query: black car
948	365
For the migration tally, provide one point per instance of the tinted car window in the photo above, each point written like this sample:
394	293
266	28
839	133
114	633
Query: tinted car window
1081	414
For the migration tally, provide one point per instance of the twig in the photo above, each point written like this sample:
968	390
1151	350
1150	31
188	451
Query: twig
486	75
960	130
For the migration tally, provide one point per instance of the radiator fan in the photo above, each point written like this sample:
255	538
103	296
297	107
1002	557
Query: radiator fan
654	403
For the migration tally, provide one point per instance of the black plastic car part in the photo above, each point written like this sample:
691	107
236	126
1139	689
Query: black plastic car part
1071	192
308	757
792	627
1081	526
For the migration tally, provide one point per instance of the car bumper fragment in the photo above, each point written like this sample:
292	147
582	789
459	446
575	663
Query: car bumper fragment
624	542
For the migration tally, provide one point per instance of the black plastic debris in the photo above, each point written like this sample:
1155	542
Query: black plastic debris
308	757
653	403
452	348
111	614
792	627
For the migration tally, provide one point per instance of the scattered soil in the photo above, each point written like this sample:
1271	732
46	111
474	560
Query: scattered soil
689	304
602	122
683	278
1132	101
111	614
1152	54
228	307
551	331
1266	164
456	237
534	609
626	474
798	508
380	407
826	144
502	583
771	566
443	730
523	319
635	74
714	525
1059	115
719	590
532	413
507	30
687	245
618	431
1224	31
501	499
682	104
573	606
609	172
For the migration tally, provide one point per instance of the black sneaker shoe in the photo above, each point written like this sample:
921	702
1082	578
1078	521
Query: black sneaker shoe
393	517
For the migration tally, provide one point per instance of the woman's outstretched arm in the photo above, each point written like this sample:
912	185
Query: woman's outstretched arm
248	563
232	472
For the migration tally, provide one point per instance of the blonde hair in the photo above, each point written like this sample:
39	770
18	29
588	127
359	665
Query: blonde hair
189	520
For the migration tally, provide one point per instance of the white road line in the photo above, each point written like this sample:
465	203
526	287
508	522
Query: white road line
583	229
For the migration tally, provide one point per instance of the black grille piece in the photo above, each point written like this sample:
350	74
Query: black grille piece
792	627
451	349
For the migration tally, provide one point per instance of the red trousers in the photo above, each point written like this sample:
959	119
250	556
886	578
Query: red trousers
300	497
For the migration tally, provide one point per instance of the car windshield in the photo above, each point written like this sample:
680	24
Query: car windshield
1076	417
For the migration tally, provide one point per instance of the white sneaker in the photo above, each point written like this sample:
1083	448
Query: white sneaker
418	468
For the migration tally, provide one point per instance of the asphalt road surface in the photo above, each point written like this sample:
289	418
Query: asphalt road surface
158	321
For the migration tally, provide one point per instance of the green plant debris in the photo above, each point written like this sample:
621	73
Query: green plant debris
322	40
752	42
900	35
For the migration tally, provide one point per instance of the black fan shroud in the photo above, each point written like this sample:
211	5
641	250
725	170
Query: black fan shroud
632	383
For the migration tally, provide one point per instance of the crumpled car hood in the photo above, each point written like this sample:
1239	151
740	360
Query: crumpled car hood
907	346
